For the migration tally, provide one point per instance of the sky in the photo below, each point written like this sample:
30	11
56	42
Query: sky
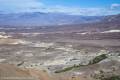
73	7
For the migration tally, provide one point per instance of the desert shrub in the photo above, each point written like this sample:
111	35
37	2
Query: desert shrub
97	59
112	78
94	61
64	70
68	68
21	63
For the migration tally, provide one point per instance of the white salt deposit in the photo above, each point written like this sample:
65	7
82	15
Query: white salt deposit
55	62
1	60
111	31
4	36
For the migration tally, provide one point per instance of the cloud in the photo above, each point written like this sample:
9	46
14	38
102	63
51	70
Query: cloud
19	5
115	5
80	11
75	10
38	6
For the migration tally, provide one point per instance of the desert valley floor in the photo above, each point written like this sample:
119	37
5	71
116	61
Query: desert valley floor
30	54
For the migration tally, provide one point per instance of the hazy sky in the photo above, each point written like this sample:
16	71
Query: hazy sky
79	7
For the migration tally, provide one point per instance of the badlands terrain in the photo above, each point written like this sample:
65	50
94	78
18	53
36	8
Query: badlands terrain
83	52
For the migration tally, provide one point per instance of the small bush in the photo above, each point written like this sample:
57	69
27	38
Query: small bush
112	78
94	61
68	68
98	59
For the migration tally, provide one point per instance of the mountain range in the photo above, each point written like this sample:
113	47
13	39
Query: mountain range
42	19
